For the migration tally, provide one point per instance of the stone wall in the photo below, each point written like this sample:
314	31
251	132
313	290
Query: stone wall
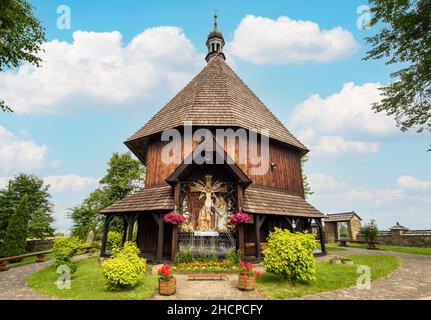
354	226
330	231
412	238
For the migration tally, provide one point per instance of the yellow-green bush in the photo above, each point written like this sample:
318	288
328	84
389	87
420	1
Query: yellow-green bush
291	255
114	240
125	268
64	249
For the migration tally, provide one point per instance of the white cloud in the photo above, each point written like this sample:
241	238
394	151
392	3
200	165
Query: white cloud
96	69
334	145
69	183
263	40
345	111
409	182
17	154
322	182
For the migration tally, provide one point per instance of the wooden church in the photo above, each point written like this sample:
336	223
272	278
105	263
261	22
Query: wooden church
207	193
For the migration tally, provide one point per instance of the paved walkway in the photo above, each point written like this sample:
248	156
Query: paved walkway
411	281
13	283
210	290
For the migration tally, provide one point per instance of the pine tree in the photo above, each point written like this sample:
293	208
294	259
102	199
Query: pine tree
15	241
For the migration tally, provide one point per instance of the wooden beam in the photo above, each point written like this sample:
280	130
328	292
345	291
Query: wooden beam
321	235
125	226
241	246
174	242
159	220
108	219
131	223
258	221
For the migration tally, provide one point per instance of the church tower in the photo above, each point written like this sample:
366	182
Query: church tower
215	43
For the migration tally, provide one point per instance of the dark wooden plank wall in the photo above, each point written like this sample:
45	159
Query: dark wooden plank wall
286	176
147	235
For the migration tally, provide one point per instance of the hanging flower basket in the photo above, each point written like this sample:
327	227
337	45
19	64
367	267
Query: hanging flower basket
239	217
247	277
174	218
167	282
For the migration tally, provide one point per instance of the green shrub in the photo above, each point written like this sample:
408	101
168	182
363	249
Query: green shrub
14	243
125	268
64	249
114	240
184	255
233	256
291	255
370	231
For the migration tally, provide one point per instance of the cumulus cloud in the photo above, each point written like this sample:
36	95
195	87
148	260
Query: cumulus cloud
264	40
333	145
97	67
409	182
69	183
18	154
323	182
344	111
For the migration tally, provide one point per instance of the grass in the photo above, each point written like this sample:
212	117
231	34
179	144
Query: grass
334	248
329	277
88	283
402	249
28	260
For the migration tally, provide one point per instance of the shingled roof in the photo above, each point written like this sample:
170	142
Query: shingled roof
146	199
217	97
340	217
270	201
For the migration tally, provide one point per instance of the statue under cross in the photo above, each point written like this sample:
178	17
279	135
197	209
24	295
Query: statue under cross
208	190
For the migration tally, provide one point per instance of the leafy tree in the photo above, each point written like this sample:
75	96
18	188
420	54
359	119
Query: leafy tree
15	241
21	36
124	176
405	40
39	204
307	188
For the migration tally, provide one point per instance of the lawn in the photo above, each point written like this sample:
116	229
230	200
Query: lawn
403	249
28	260
329	277
88	284
334	248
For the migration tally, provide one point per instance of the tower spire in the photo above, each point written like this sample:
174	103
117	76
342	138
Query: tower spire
215	42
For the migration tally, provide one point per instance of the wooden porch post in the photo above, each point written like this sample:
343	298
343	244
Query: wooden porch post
240	192
258	223
159	220
131	222
108	219
175	227
125	226
321	236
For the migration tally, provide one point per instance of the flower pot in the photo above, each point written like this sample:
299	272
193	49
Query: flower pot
167	288
247	283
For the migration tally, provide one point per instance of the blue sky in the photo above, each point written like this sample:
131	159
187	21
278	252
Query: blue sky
95	89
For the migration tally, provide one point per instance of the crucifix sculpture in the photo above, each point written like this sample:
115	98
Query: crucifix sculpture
208	189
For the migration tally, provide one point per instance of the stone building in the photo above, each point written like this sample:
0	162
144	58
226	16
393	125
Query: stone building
342	225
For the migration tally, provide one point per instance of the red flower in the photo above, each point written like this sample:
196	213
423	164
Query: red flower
258	273
241	263
243	273
249	265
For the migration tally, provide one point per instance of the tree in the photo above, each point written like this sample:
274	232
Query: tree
124	176
15	241
39	204
307	188
404	39
21	37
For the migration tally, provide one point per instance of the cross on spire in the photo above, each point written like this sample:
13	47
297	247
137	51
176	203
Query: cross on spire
215	42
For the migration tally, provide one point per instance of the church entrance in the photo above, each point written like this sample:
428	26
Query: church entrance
207	204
